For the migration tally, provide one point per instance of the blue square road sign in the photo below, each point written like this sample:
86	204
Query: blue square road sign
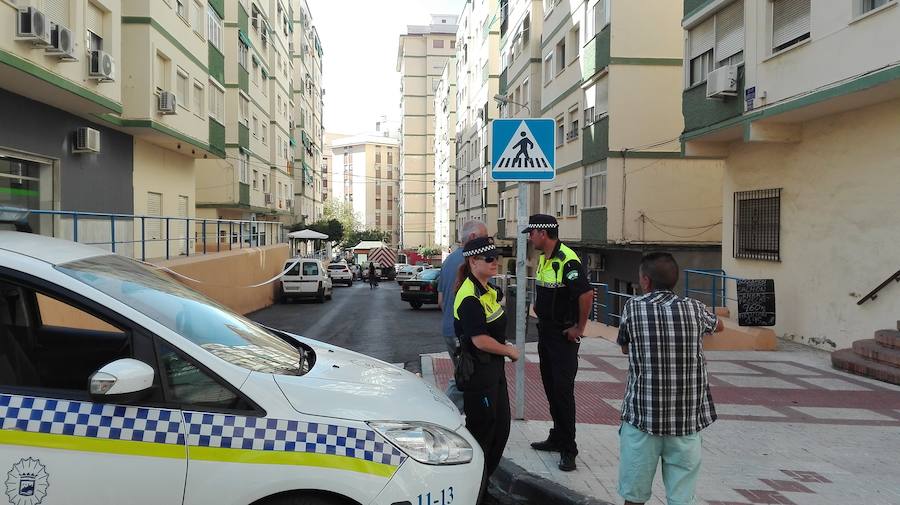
523	150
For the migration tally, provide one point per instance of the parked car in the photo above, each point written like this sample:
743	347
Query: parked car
308	278
144	391
422	289
408	272
340	272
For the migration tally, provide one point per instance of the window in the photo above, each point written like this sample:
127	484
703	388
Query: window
572	198
573	125
310	268
57	11
560	55
452	44
197	99
182	88
199	12
548	68
730	35
870	5
559	201
438	44
256	179
378	220
757	224
242	54
154	208
390	220
790	23
701	40
181	7
596	101
560	131
263	134
502	208
162	73
595	185
216	105
255	71
265	185
600	18
525	93
545	205
93	21
244	168
255	126
575	41
214	28
244	108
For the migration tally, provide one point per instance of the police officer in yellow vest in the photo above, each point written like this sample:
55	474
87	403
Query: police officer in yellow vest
563	304
480	326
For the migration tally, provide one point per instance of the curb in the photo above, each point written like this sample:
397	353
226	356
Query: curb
512	484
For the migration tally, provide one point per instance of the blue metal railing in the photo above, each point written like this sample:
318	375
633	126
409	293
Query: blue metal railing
189	232
715	290
605	309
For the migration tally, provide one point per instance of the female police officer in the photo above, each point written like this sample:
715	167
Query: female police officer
480	327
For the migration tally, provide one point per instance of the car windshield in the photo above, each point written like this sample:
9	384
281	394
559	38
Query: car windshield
430	274
204	322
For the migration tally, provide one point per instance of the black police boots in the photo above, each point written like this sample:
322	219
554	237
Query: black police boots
547	445
567	461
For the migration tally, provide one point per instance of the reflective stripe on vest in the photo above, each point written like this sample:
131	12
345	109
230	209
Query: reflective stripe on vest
546	276
492	308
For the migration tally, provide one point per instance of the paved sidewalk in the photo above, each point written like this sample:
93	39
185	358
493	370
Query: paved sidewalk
791	429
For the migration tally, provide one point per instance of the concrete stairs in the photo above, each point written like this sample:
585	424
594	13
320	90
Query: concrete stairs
877	358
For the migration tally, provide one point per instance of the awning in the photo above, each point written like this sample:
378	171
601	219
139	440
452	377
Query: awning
307	235
244	38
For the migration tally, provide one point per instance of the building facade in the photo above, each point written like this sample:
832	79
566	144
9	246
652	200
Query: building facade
308	129
366	175
422	55
445	159
478	69
809	150
622	185
254	181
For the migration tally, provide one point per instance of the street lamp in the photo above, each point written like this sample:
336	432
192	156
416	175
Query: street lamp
502	100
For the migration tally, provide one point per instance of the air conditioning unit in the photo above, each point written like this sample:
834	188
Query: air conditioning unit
268	197
722	82
101	66
87	140
595	261
62	44
166	103
32	25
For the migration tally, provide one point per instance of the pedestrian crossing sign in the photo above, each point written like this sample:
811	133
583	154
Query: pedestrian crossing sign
522	150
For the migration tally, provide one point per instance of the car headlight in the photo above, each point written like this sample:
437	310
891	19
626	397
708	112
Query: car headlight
425	442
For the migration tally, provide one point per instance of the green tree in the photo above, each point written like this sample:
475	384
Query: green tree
428	252
355	237
342	212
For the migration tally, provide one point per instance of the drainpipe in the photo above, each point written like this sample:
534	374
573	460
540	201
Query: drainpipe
624	189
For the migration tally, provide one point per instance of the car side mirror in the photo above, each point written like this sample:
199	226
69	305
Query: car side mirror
122	380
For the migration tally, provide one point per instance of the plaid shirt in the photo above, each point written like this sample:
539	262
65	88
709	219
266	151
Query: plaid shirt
667	391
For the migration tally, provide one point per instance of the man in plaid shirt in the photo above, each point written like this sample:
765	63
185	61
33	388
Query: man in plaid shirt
667	397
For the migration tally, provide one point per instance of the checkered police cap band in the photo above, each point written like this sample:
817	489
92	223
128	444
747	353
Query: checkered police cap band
543	225
480	250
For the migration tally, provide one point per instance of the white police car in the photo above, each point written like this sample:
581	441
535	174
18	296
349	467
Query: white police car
119	385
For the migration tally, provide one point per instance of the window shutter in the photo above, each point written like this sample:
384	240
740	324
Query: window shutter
702	37
730	30
602	103
93	19
154	208
57	11
790	19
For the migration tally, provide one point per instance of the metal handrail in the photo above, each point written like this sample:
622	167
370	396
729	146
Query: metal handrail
267	232
715	293
874	293
604	299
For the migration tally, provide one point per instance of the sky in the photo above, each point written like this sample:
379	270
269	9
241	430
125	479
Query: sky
360	40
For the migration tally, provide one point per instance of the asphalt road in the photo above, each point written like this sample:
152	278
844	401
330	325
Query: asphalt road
372	322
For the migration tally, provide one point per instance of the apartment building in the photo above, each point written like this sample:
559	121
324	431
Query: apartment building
521	26
421	57
112	122
308	105
365	174
327	165
254	182
478	81
623	187
800	98
445	159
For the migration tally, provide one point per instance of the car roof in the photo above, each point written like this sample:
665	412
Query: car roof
51	250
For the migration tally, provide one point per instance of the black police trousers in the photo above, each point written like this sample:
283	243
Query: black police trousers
487	419
559	364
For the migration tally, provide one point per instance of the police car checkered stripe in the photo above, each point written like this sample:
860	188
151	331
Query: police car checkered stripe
94	420
263	434
163	426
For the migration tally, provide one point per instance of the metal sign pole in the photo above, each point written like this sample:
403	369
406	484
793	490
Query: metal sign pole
521	290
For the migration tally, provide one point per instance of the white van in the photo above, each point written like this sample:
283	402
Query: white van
307	278
120	385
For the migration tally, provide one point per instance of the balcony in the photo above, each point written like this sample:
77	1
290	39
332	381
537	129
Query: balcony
700	112
595	56
595	145
593	225
244	194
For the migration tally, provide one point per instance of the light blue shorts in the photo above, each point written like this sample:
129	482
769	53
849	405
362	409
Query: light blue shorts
640	452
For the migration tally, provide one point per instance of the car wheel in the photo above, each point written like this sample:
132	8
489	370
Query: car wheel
301	499
321	296
415	305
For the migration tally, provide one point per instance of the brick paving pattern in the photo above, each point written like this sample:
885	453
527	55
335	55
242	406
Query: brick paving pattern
791	429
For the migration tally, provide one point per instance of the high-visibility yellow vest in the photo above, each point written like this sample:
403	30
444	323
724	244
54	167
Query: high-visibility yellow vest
488	300
549	277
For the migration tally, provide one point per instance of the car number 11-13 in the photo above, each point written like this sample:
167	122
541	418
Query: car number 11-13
445	498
